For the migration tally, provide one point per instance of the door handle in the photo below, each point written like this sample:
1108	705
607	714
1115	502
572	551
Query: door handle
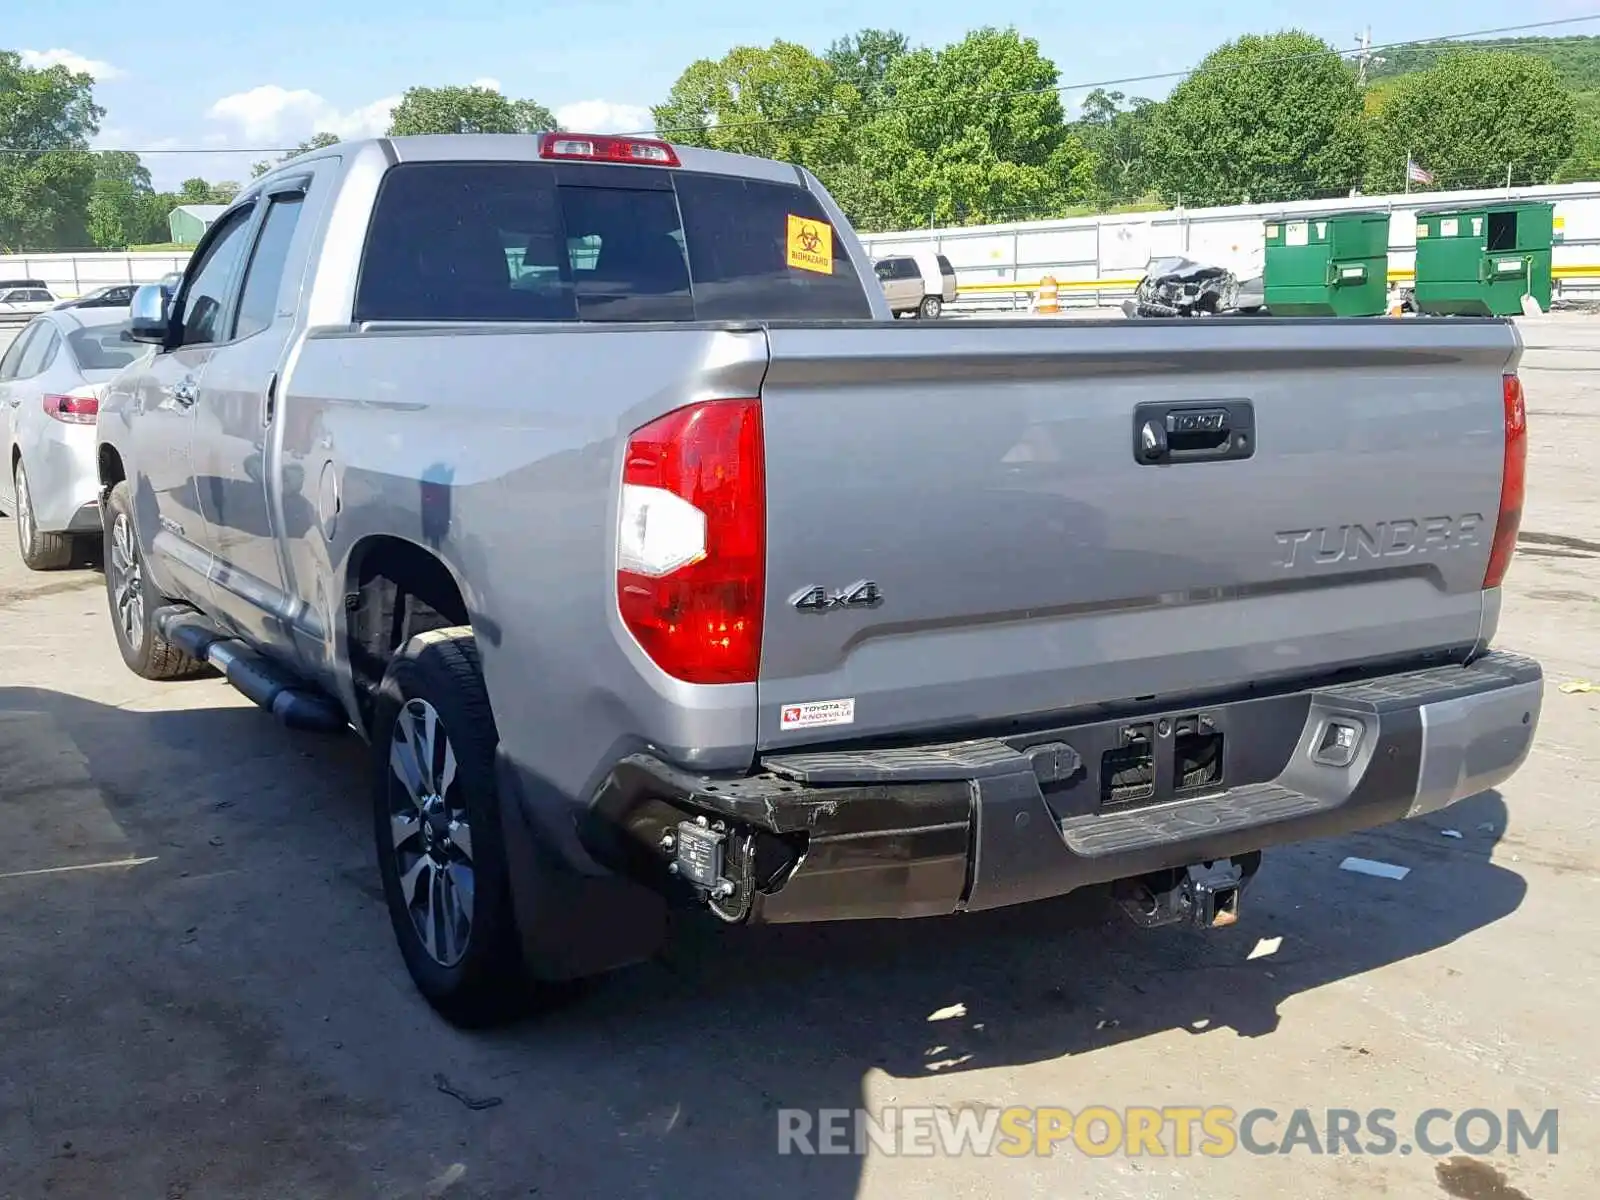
1213	431
269	407
182	394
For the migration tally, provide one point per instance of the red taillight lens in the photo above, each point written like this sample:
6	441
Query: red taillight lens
73	410
596	148
691	541
1513	483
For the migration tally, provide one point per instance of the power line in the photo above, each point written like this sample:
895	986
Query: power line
761	122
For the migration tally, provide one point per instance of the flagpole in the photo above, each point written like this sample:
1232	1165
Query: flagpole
1408	172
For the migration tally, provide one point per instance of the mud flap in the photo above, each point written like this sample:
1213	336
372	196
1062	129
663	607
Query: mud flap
572	925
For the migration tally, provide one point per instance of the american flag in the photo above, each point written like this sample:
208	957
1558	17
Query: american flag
1415	174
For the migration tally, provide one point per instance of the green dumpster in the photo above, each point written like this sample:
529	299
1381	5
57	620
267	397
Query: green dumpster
1328	266
1480	262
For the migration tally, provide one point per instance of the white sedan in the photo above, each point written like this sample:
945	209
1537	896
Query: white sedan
51	380
23	300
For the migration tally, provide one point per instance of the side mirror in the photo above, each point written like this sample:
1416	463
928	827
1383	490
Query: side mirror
150	315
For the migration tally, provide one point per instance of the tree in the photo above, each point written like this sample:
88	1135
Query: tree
466	110
200	191
120	211
975	133
863	59
315	142
1470	118
780	101
47	116
1116	132
1263	118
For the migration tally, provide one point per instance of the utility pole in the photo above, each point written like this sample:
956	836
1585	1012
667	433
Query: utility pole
1365	57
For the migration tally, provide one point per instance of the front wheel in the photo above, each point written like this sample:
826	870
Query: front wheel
40	551
932	306
436	811
133	600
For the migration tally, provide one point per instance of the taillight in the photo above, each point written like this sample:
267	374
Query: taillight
73	409
1513	483
597	148
691	541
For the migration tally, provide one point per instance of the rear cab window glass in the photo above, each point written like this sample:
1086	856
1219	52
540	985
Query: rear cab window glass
581	242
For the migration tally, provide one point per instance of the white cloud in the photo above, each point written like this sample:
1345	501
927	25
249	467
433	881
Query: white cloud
274	114
487	82
72	61
602	116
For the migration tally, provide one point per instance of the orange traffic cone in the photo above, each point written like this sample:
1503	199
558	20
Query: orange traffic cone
1047	298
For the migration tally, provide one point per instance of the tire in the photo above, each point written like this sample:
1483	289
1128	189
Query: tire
931	307
132	608
459	943
40	551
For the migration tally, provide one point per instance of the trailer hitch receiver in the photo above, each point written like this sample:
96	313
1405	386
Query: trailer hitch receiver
1202	895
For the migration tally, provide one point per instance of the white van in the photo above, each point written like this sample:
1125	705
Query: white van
920	283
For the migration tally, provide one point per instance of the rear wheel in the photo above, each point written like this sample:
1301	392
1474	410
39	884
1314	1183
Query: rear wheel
436	811
133	601
40	551
932	306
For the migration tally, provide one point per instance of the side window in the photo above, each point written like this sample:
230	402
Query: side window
40	350
944	266
263	280
883	269
52	347
13	356
205	294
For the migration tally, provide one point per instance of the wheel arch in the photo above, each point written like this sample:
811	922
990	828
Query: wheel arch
393	590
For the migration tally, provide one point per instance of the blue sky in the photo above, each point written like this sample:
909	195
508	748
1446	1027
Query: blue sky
222	78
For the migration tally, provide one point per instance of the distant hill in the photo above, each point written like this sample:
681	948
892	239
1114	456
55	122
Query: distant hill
1576	59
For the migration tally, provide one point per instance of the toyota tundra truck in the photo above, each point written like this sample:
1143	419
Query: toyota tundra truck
591	482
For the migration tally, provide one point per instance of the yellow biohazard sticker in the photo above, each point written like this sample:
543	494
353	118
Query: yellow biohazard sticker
810	245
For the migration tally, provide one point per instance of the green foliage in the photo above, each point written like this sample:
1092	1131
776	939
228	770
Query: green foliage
315	142
124	208
47	117
1576	60
780	101
974	133
863	59
1263	118
1116	132
466	110
1469	117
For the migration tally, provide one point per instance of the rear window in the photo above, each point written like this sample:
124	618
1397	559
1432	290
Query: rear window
944	266
102	348
541	242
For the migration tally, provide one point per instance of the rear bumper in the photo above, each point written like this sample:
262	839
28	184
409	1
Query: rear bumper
932	829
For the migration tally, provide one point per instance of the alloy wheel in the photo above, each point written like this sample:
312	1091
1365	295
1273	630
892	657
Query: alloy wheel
431	834
24	510
127	581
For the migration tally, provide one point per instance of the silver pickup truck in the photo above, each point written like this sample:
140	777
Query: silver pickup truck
590	480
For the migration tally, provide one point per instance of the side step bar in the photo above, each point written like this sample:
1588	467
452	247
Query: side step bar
259	679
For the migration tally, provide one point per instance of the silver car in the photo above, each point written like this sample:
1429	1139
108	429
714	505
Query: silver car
51	381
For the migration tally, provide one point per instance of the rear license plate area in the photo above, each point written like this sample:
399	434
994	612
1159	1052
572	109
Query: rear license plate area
1159	760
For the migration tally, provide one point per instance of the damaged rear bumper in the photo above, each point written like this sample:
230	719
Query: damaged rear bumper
977	824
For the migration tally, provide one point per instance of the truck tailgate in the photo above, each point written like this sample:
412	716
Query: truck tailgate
987	480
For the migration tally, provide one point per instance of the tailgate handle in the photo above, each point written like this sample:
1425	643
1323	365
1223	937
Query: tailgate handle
1168	434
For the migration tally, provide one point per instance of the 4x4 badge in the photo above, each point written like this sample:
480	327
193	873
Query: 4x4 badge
861	594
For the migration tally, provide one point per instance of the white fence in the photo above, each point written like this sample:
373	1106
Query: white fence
74	274
1099	260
